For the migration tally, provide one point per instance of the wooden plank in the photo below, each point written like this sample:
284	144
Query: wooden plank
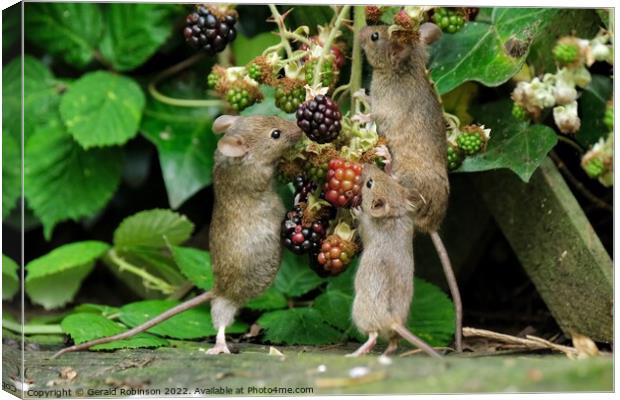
556	245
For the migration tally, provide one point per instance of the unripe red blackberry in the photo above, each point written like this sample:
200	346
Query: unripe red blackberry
210	29
343	184
336	253
320	119
373	15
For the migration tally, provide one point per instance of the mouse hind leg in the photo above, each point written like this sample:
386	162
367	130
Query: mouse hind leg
223	314
392	346
366	347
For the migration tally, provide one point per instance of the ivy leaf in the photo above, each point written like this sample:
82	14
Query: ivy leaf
245	49
271	299
83	327
477	52
185	144
194	323
10	278
195	265
515	145
152	228
11	172
298	326
53	279
69	30
592	105
134	32
431	315
295	277
102	109
86	179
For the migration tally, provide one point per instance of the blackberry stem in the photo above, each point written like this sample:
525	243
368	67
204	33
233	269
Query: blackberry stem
355	81
327	46
282	28
31	329
150	281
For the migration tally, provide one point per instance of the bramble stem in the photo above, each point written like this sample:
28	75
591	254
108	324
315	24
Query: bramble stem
327	46
150	281
31	329
282	28
355	81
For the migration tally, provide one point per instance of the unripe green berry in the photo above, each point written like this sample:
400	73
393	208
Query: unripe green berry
455	157
519	112
566	53
254	72
594	167
469	142
212	80
608	118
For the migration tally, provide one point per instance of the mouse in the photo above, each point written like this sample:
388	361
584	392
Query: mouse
244	234
408	112
384	278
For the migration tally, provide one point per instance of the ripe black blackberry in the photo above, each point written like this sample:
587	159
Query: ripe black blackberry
303	187
319	118
210	29
300	237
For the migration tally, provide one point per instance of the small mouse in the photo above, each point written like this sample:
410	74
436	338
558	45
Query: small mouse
244	235
384	277
409	114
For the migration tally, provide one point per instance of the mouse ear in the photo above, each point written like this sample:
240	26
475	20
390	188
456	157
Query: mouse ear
222	123
429	33
398	52
379	208
232	146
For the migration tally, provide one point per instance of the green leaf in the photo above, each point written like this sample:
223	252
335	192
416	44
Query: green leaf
11	172
515	145
83	327
477	52
100	309
312	16
85	180
431	316
102	109
134	32
335	307
271	299
195	265
11	26
185	144
69	30
267	106
10	278
592	105
298	326
53	279
295	276
194	323
151	228
245	49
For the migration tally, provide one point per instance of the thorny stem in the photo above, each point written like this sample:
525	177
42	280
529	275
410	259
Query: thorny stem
175	101
296	37
150	281
282	28
31	329
355	81
327	46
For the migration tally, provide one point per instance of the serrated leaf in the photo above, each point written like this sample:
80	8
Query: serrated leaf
592	105
185	144
515	145
10	279
195	265
298	326
194	323
431	315
100	309
11	172
83	327
86	180
267	106
102	109
295	276
335	308
134	32
53	279
245	49
68	30
477	52
153	228
271	299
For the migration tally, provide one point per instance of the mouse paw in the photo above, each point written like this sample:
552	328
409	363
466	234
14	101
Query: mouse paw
219	348
383	152
356	212
362	118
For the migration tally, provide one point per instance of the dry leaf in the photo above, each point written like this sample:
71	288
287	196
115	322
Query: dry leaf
585	346
275	352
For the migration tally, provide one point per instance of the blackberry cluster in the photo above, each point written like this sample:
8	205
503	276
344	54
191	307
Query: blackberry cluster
239	98
289	101
448	20
303	187
327	72
212	80
255	72
301	238
343	186
319	118
566	53
594	167
206	31
335	254
455	157
470	142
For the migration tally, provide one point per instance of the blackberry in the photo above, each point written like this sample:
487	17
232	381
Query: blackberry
303	187
210	29
255	72
594	167
289	99
239	98
470	142
343	183
336	253
327	72
373	15
319	118
566	53
300	237
212	80
448	20
455	157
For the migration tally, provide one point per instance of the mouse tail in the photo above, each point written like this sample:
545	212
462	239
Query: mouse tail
414	340
191	303
454	288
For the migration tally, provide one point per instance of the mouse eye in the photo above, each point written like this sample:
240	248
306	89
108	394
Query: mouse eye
275	134
369	183
375	36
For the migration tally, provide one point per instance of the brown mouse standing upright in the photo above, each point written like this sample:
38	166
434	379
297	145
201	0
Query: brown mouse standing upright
408	113
384	277
244	236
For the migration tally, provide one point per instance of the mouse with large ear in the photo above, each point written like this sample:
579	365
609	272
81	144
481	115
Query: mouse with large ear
244	234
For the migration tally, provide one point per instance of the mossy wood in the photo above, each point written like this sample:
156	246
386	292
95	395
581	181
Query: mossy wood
556	245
